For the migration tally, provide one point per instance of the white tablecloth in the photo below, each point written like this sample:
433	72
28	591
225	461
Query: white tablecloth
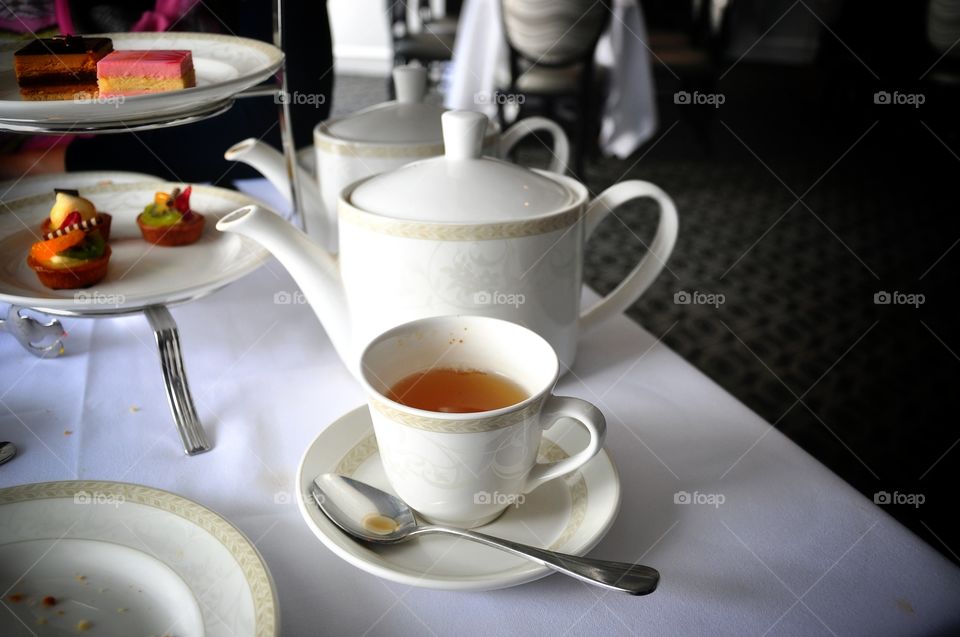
480	60
266	381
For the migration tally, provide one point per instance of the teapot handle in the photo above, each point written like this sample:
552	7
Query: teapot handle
650	265
561	145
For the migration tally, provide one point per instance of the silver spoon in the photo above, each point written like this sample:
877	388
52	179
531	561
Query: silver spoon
7	451
372	515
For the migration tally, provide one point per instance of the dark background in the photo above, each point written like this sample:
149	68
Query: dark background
878	212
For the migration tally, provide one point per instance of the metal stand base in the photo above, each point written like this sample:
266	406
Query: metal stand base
175	380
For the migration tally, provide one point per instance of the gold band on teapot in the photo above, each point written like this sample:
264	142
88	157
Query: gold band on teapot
459	232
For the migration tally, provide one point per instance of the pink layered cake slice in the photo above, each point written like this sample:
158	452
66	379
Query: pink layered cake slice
138	72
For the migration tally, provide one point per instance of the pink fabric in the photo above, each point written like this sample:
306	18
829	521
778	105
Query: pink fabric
27	16
64	18
43	142
164	15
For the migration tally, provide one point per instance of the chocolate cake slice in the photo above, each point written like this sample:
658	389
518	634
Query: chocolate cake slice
60	68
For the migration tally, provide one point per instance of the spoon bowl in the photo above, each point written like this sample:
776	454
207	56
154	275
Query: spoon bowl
362	510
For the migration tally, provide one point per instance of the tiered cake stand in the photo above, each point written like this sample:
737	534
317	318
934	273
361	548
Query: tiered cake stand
228	69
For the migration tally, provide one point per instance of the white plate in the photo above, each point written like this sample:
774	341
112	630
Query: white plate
130	560
83	578
140	273
45	183
570	514
224	66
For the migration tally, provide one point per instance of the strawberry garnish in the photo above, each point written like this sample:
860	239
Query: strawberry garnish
71	219
182	203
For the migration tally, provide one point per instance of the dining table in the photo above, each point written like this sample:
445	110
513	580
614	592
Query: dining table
480	66
751	534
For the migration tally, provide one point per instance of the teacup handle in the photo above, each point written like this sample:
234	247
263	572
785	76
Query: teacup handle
561	145
584	413
650	265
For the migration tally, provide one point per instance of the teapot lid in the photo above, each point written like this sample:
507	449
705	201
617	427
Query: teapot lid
461	186
408	120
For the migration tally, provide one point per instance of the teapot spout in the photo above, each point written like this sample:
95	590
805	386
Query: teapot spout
271	164
312	267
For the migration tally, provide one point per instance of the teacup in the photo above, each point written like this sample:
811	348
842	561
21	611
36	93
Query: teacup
465	469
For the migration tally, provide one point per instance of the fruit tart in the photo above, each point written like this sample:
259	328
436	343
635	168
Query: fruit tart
169	221
70	258
71	209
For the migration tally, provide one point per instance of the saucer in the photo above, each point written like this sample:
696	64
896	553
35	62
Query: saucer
568	515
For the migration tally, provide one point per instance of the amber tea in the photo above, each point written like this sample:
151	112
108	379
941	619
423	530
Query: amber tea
450	390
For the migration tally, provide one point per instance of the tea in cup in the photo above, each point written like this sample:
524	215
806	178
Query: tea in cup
459	405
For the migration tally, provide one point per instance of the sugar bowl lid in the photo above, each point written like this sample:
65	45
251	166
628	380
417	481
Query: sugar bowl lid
461	186
408	120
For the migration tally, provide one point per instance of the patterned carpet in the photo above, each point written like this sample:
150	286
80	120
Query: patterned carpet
864	387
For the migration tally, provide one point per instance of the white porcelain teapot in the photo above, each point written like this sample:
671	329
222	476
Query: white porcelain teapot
377	139
459	234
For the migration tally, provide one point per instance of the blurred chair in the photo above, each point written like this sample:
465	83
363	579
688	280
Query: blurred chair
688	54
551	44
432	42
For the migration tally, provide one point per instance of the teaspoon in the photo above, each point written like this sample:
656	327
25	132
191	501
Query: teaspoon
372	515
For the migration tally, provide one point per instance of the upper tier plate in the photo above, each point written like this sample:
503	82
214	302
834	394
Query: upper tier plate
225	65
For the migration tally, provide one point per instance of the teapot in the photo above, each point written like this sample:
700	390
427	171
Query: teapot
459	234
374	140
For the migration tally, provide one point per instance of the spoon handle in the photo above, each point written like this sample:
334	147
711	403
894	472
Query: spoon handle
635	579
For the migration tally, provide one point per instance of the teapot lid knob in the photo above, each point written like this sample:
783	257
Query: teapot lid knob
463	134
410	83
